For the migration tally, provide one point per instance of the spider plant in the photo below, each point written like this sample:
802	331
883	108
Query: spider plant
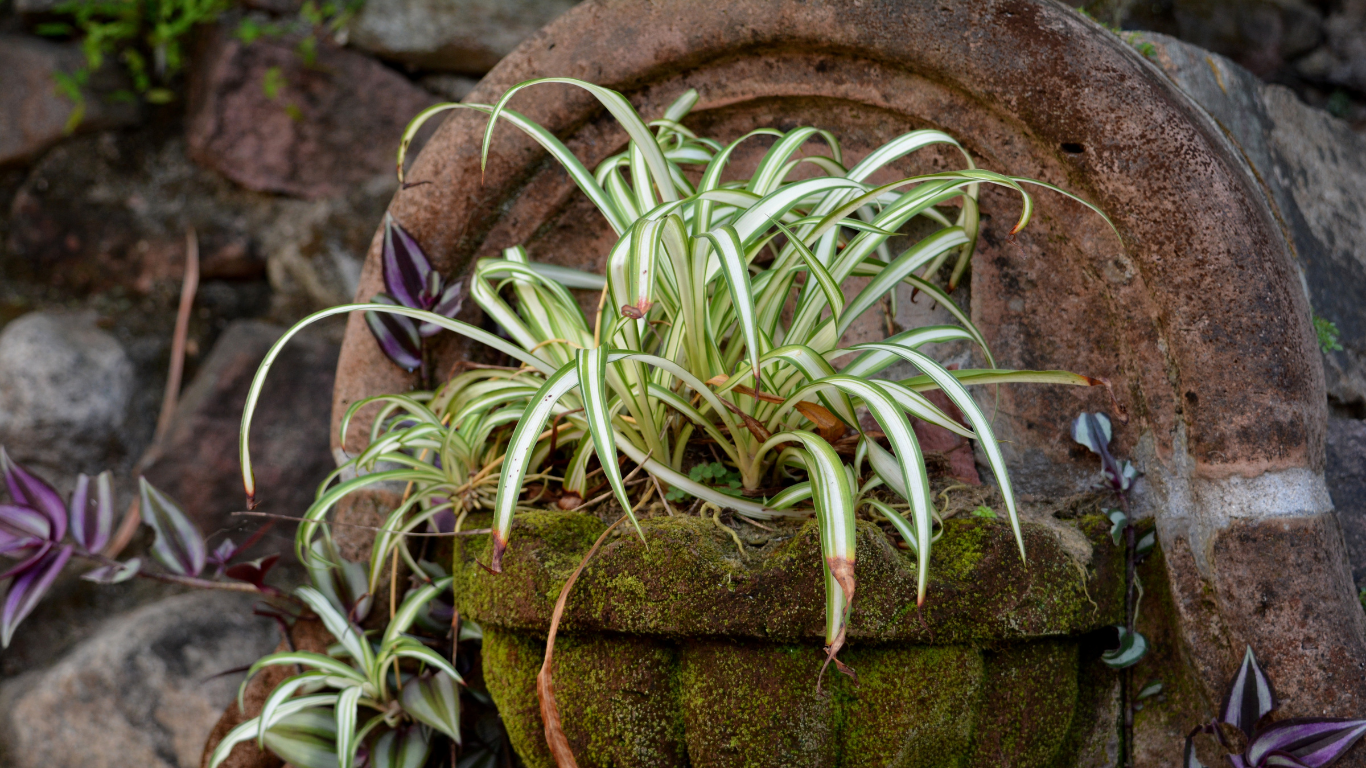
311	718
720	316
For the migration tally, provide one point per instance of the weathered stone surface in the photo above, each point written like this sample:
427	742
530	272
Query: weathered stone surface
65	387
467	36
108	212
1312	167
33	115
141	692
1346	478
314	248
197	464
328	126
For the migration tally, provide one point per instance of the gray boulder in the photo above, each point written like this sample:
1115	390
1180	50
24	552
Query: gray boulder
142	692
65	387
1312	167
33	115
467	36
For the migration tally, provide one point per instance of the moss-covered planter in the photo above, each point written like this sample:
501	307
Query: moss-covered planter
684	654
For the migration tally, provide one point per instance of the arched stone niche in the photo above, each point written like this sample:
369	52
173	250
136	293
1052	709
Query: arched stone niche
1195	311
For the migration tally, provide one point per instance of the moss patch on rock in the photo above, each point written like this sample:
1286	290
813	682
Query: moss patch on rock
690	580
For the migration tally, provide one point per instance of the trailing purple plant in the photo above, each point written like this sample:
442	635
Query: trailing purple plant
42	533
409	281
1294	743
1093	430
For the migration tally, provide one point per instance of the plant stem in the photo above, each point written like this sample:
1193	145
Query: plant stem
1127	679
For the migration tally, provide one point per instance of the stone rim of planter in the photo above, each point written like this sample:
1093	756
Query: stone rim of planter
1197	314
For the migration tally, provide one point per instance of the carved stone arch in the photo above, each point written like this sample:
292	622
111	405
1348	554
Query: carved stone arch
1195	312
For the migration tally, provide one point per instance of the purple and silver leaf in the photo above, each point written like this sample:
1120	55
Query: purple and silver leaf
448	305
397	335
178	545
223	552
1281	760
1249	698
405	266
1314	742
1092	430
29	491
113	574
92	516
27	589
29	559
23	523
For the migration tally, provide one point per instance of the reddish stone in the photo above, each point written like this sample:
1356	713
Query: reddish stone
35	114
328	127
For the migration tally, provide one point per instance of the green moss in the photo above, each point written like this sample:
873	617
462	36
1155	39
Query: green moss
912	708
511	662
1028	699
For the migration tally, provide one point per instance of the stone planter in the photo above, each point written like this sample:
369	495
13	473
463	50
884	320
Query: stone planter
685	654
1195	313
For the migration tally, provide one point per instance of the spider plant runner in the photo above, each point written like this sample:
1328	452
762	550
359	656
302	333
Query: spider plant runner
720	316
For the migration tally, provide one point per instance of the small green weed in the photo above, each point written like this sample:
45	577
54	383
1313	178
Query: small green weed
1328	334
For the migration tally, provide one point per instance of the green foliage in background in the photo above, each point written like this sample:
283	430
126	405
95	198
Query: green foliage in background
148	39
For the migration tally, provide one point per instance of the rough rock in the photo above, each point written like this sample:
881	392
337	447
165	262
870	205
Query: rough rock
327	127
197	464
142	692
1346	478
33	115
314	248
65	387
1312	167
464	36
111	211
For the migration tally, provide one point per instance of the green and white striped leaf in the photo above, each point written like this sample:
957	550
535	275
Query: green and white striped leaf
347	702
435	700
960	397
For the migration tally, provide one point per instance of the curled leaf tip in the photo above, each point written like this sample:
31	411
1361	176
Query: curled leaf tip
1101	381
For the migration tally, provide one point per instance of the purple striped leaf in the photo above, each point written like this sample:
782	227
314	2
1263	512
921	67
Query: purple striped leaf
178	545
27	490
113	574
23	523
1282	760
92	516
406	268
397	336
1314	742
28	588
448	305
1249	698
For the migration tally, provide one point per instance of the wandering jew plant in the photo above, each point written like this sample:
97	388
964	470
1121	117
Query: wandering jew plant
410	282
1250	741
719	320
43	534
